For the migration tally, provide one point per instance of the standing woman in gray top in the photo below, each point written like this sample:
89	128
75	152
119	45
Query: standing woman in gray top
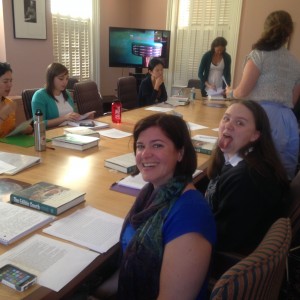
271	77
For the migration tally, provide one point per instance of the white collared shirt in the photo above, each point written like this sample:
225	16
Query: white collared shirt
234	160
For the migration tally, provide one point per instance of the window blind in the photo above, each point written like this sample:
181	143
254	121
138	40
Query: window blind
71	44
199	23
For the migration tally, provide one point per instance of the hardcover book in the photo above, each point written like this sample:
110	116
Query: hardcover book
204	143
48	197
76	141
124	163
82	131
16	222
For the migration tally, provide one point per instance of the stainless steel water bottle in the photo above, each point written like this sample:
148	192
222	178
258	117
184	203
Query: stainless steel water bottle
39	132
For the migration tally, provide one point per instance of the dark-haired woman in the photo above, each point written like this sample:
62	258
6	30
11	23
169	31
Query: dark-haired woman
169	233
248	184
54	100
214	64
271	77
152	89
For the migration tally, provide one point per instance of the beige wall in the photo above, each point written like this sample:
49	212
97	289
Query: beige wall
29	58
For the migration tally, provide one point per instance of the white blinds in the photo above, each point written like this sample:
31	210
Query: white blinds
199	22
71	44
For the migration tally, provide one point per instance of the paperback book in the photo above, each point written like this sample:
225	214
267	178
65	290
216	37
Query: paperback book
76	141
204	143
12	163
48	197
124	163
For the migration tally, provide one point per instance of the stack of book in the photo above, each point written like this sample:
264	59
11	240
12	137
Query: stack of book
76	141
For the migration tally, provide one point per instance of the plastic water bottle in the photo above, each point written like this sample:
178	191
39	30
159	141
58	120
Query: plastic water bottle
39	131
192	94
116	111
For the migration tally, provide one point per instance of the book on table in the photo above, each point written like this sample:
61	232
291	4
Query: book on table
124	163
82	131
47	197
9	185
17	221
204	143
12	163
76	141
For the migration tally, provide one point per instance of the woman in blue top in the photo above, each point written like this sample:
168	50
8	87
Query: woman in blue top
168	235
214	64
54	100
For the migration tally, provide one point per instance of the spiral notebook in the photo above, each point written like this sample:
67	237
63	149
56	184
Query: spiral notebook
16	222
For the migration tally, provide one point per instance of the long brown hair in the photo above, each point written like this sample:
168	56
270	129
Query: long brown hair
278	28
262	157
54	70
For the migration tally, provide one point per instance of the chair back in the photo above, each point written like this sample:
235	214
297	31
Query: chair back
127	92
71	83
194	83
259	275
27	95
87	98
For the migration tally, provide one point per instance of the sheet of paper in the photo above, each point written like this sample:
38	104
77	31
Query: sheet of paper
88	227
159	108
114	133
20	128
135	182
194	126
55	263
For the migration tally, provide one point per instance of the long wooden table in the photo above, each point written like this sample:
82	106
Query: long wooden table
85	171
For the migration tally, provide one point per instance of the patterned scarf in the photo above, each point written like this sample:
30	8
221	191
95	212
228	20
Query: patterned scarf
141	264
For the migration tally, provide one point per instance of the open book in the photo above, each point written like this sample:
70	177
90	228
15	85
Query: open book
16	222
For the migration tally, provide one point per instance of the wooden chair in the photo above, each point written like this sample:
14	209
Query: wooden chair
127	93
27	95
88	98
259	275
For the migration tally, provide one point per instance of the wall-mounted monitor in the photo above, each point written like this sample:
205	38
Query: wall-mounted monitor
134	47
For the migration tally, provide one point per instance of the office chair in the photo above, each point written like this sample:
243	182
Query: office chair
194	83
71	83
259	275
88	98
126	92
27	95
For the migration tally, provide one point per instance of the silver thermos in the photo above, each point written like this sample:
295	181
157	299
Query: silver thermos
39	132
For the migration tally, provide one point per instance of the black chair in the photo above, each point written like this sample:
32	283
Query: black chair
127	93
27	95
88	98
71	83
194	83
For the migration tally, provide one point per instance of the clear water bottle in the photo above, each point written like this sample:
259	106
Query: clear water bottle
192	94
39	131
116	111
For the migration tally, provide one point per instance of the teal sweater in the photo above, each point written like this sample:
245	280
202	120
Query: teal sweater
42	100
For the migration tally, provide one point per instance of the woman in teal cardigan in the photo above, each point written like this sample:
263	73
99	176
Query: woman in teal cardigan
54	100
214	64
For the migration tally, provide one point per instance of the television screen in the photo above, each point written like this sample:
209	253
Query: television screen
133	48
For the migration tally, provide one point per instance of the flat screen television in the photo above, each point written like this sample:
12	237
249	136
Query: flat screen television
134	47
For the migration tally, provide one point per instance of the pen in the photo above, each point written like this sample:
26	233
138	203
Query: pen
48	147
223	78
